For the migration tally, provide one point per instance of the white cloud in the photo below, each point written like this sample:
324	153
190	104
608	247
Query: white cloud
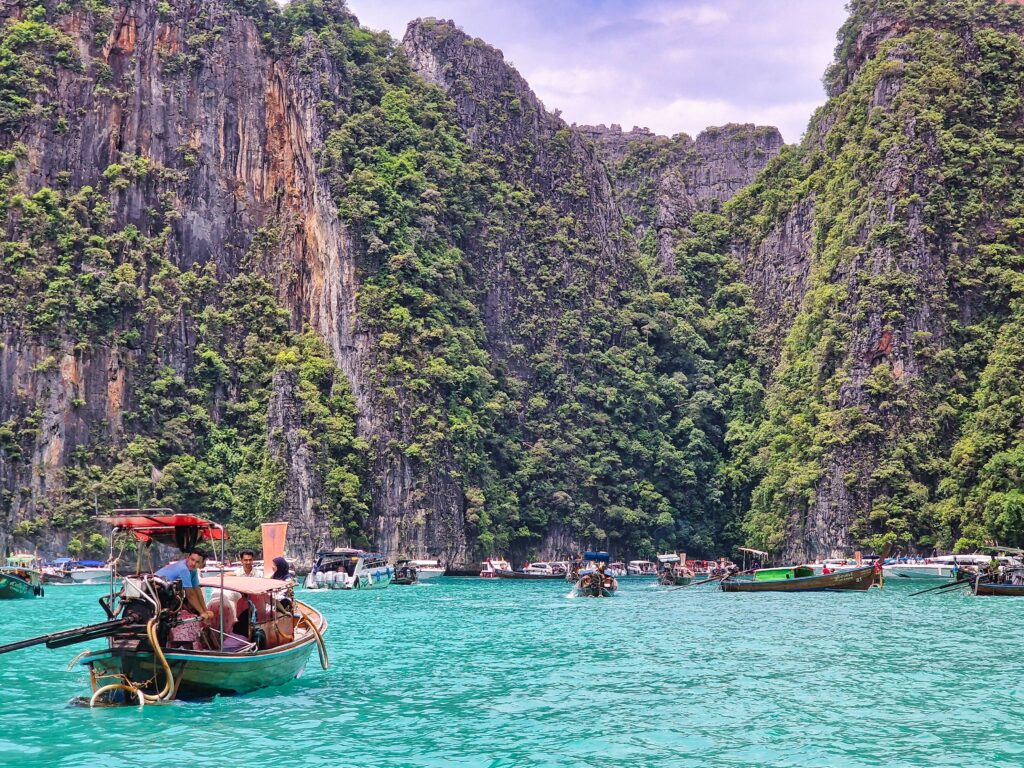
672	65
672	13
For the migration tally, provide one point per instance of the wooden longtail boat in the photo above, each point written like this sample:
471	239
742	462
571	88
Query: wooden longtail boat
238	665
593	581
406	574
259	635
19	579
998	590
501	573
675	578
801	578
672	572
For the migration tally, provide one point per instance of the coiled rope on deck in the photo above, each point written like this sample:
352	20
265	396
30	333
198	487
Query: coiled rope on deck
166	693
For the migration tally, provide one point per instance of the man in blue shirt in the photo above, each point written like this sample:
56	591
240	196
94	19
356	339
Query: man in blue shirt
187	572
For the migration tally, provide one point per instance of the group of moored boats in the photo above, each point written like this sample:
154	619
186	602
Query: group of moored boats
256	633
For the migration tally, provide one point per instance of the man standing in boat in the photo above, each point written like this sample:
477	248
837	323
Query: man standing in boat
189	629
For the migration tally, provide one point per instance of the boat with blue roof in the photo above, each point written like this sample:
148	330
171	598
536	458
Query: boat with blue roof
592	577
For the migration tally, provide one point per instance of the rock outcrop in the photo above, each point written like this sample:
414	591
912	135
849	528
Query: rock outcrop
661	182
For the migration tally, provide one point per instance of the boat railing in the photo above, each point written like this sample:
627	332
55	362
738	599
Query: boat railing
229	641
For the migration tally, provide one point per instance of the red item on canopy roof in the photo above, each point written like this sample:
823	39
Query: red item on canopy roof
162	526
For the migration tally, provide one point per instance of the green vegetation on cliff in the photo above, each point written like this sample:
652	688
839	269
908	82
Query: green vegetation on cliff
525	349
882	407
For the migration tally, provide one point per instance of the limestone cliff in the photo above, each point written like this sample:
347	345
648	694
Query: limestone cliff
865	249
660	182
268	265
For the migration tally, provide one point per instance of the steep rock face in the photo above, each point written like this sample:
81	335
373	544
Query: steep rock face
226	136
536	150
535	288
576	318
307	525
862	242
661	182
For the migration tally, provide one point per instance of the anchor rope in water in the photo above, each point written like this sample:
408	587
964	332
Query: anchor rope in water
321	648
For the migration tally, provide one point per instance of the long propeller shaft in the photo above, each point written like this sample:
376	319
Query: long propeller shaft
71	636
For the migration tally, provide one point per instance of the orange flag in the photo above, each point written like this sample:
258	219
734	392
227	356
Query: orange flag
273	544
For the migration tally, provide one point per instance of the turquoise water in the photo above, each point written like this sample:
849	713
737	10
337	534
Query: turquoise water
468	672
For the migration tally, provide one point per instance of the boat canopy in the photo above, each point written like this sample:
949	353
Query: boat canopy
753	551
90	563
246	585
352	554
165	526
596	557
663	559
21	560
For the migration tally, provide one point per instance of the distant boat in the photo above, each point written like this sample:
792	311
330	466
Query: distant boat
618	568
490	567
427	569
89	572
216	568
673	573
939	567
349	569
801	578
20	578
534	572
592	580
406	573
641	568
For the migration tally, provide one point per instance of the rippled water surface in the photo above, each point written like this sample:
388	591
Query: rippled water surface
467	672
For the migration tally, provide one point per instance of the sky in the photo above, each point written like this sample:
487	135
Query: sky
668	65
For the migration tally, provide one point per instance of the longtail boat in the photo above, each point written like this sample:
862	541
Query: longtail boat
19	578
530	576
259	636
406	574
998	590
593	581
672	572
801	578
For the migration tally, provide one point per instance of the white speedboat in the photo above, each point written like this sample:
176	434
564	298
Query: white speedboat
835	564
427	569
89	572
216	568
641	568
939	567
545	569
350	569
